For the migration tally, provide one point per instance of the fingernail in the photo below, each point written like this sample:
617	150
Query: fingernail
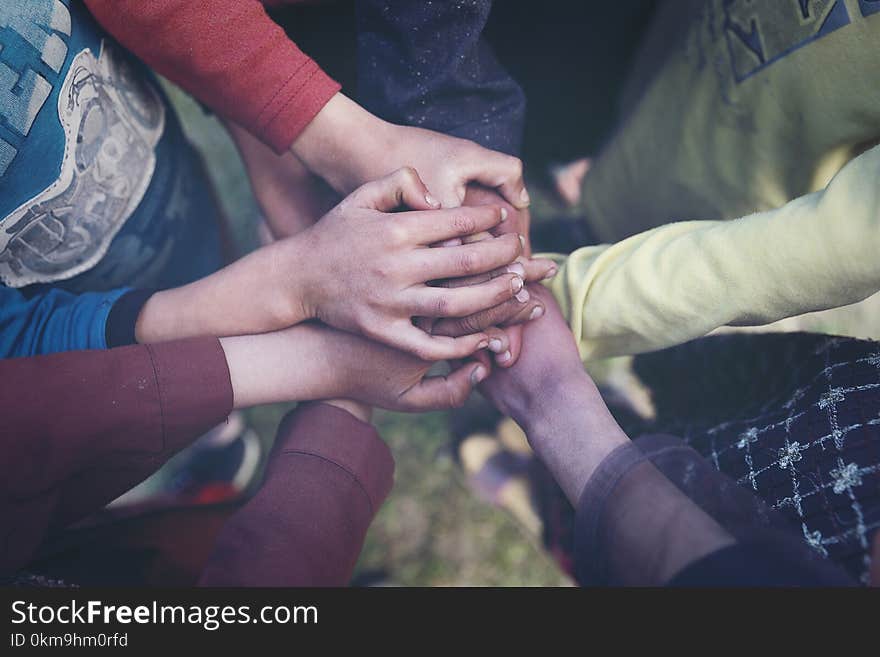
524	196
550	274
522	296
478	374
516	268
503	358
522	241
430	200
516	284
537	311
483	344
503	214
495	345
455	241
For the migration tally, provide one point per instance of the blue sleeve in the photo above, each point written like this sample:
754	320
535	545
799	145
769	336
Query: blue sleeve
54	320
428	65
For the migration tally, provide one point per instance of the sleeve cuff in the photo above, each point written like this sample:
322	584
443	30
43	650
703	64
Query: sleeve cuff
590	567
97	329
338	437
195	389
121	321
295	105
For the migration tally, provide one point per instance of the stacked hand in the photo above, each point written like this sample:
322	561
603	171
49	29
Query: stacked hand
399	261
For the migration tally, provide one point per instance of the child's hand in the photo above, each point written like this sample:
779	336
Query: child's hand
363	269
377	375
348	146
548	366
312	362
513	313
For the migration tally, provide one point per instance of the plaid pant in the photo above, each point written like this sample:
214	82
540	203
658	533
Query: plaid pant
795	417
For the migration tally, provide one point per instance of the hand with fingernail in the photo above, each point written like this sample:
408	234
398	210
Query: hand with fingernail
548	363
501	322
367	270
348	146
338	365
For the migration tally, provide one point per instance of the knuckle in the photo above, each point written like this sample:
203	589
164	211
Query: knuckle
397	234
470	324
516	167
422	353
469	262
457	398
408	174
464	224
442	306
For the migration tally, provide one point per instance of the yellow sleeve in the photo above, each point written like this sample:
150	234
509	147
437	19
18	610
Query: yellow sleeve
680	281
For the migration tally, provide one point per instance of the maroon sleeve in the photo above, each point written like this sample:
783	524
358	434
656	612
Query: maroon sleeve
326	479
230	55
81	428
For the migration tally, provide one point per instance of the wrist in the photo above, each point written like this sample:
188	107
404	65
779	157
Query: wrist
284	366
573	433
555	392
343	143
159	318
291	281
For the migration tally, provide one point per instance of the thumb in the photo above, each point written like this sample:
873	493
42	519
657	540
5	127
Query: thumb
404	187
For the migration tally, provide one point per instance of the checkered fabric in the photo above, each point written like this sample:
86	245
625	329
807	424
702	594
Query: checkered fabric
794	417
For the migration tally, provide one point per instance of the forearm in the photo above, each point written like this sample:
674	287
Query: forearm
253	295
655	512
344	143
571	430
291	365
680	281
116	416
290	196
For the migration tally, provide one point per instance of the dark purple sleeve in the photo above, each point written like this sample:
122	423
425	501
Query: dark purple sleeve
657	513
80	428
426	64
327	476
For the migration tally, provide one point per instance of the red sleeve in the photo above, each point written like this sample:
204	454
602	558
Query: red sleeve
80	428
326	479
230	55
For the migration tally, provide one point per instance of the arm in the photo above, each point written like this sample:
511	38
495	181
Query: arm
680	281
290	196
648	513
230	55
338	464
361	268
81	428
